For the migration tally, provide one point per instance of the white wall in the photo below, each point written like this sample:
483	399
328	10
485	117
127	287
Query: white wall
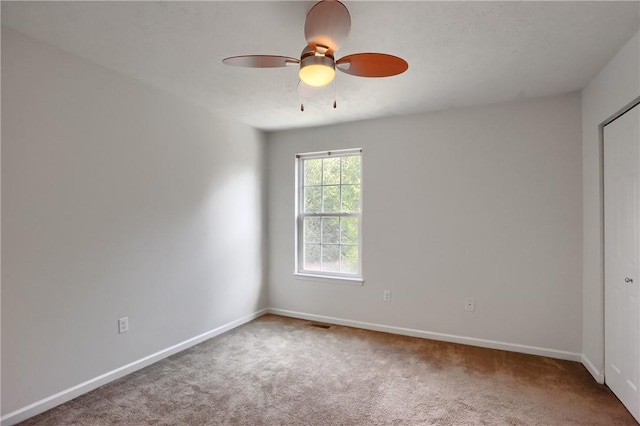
483	202
117	200
612	89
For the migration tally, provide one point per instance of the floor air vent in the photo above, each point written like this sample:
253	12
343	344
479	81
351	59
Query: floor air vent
318	325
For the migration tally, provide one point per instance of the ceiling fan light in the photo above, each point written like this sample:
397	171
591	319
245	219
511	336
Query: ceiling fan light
317	70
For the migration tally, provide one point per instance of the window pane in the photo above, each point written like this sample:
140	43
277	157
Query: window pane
312	257
331	258
330	230
351	169
331	199
311	230
350	198
349	230
331	171
329	213
349	259
313	199
313	172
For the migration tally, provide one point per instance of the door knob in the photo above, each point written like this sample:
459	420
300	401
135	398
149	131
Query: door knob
628	280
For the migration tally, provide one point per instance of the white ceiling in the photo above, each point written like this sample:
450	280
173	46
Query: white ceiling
459	53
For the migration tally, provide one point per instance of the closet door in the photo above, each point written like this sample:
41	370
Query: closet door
622	258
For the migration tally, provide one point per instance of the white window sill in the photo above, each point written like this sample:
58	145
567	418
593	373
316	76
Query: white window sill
328	279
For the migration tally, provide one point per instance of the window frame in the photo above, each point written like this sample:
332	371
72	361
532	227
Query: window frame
349	278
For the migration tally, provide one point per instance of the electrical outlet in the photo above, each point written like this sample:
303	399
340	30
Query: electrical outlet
387	296
123	325
469	304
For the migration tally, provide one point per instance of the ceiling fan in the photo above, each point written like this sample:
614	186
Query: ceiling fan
326	28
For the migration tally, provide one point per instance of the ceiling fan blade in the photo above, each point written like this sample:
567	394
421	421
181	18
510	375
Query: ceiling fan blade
328	24
260	61
372	65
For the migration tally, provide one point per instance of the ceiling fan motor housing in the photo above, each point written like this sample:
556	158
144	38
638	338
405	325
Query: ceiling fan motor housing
316	69
310	56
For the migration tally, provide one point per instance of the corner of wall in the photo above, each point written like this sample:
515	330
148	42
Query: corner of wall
597	374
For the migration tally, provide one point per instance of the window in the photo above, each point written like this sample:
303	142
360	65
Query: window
329	211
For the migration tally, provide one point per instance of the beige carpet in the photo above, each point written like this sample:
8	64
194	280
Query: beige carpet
282	371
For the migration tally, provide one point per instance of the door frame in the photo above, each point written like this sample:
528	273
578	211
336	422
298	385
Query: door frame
601	126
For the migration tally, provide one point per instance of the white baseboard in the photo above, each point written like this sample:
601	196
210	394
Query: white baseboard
75	391
492	344
595	372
